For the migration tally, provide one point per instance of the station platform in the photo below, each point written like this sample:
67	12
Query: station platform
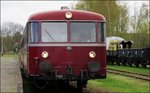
11	80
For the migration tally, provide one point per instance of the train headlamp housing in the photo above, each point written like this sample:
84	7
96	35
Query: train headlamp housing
68	15
92	54
44	54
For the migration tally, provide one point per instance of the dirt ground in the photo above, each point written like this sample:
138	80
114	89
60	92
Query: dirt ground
10	76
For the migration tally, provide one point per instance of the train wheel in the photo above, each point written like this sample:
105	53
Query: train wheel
62	83
51	83
79	85
40	82
24	74
84	83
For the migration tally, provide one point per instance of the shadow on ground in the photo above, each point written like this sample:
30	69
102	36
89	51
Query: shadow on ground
29	87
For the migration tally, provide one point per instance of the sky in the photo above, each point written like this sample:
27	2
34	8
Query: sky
19	11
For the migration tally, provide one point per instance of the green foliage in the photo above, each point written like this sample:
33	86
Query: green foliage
112	12
10	37
139	21
140	40
118	21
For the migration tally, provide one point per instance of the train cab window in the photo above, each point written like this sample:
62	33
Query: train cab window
83	32
33	32
54	32
101	30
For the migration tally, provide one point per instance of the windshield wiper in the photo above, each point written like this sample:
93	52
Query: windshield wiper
49	34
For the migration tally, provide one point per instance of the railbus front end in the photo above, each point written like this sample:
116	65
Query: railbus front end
66	45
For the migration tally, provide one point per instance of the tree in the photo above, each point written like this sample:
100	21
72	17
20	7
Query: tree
118	21
140	26
115	14
10	28
123	19
11	34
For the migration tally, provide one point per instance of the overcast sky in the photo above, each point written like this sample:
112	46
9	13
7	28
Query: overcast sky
19	11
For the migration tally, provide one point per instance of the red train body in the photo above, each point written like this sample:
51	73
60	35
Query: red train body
64	45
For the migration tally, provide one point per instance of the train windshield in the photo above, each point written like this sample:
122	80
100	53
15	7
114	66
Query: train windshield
54	31
83	32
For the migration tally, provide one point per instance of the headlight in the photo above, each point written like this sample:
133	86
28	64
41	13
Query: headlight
68	15
44	54
92	54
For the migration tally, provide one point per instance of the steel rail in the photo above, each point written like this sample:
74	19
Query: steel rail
130	74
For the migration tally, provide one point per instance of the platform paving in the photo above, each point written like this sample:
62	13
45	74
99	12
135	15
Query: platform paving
11	80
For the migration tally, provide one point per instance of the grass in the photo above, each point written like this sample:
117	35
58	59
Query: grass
145	71
9	55
118	83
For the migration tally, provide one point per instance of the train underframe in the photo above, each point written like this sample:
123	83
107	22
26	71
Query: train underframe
130	61
53	77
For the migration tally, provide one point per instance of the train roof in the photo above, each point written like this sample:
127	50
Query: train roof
60	15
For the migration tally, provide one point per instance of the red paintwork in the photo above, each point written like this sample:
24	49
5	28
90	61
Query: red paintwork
78	57
60	15
59	57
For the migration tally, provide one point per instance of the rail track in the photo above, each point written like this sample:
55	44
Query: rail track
130	74
59	88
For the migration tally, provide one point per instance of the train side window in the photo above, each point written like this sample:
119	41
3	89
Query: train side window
101	32
33	32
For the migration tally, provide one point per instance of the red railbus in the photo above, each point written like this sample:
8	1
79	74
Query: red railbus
67	45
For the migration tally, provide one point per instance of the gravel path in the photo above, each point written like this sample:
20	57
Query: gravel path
10	75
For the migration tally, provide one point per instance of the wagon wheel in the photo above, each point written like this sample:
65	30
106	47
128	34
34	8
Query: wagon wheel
144	64
108	61
120	60
124	62
118	63
112	62
130	64
137	65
